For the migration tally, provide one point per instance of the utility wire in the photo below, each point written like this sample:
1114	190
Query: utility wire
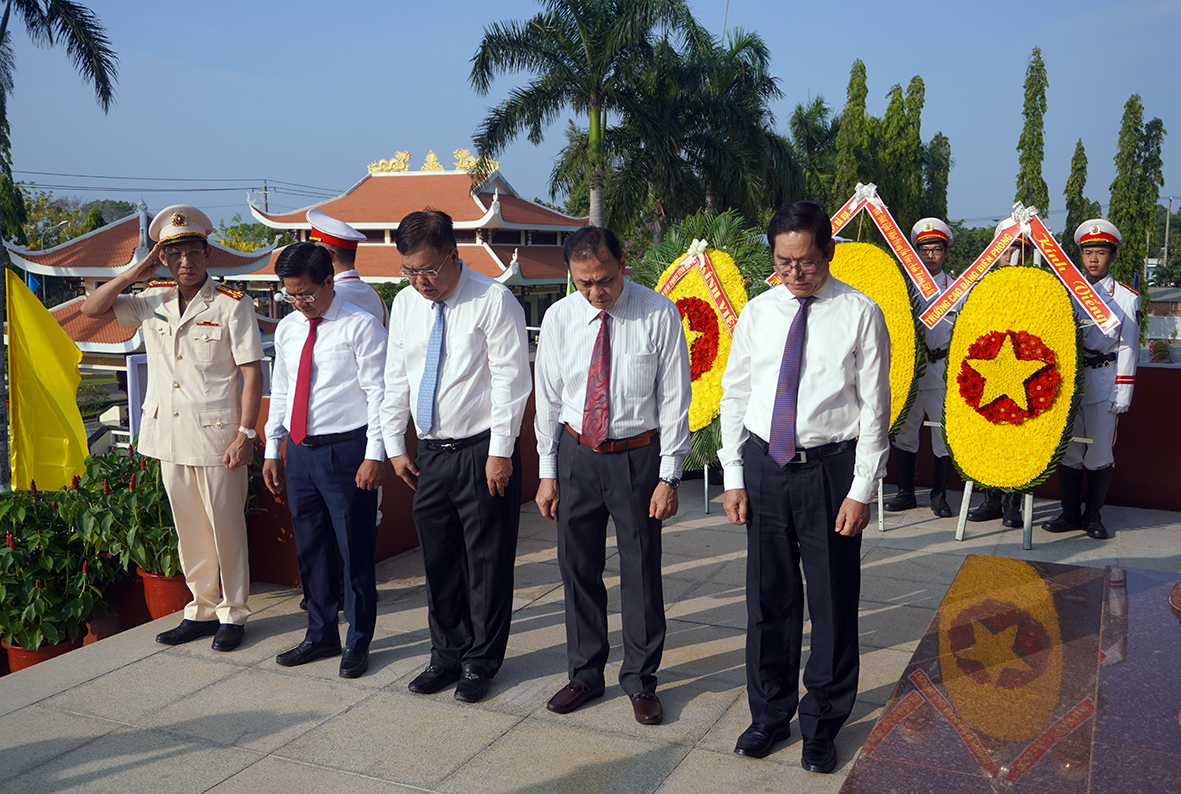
164	179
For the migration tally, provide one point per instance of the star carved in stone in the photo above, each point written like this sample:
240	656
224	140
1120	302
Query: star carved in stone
995	651
1005	375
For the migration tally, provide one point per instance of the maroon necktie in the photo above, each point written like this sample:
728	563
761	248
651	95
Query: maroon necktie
303	384
598	381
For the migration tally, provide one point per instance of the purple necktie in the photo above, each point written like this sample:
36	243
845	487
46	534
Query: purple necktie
782	444
595	411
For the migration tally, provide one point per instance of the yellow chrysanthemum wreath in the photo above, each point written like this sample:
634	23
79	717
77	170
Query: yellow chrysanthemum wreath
871	270
706	331
1011	436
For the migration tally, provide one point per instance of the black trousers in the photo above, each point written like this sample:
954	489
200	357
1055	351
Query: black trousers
469	545
793	510
593	486
330	513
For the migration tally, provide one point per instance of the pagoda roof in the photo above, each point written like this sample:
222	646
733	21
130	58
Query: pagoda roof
106	251
381	263
381	200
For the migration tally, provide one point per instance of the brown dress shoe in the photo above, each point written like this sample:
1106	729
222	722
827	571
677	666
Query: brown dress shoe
571	697
647	708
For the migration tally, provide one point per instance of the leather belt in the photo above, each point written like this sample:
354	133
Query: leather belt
452	445
936	354
815	453
620	445
1094	359
333	438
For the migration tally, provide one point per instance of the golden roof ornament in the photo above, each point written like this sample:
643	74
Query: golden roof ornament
432	162
399	163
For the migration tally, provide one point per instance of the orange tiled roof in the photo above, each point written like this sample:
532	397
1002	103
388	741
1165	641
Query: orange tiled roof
518	210
384	261
87	329
111	246
387	198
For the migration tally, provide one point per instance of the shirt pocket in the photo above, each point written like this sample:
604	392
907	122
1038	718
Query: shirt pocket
638	378
202	341
158	338
218	428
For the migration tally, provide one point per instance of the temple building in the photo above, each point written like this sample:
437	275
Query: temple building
98	256
500	234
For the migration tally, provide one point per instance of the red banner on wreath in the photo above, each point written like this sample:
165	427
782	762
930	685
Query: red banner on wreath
1076	284
713	284
867	197
962	285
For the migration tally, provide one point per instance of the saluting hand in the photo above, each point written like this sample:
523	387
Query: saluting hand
404	468
145	268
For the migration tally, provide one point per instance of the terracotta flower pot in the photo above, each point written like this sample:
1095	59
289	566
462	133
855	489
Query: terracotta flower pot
164	594
20	658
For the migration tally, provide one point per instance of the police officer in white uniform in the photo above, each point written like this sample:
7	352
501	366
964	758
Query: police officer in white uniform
932	238
204	389
1109	367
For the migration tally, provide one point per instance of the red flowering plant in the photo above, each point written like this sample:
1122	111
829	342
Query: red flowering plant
52	572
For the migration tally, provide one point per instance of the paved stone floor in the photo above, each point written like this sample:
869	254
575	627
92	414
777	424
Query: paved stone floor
127	715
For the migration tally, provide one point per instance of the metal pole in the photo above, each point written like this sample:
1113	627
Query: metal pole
1168	222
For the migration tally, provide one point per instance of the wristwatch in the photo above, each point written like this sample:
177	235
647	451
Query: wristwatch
249	432
671	482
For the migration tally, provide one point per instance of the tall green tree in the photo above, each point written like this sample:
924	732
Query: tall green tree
1139	176
813	136
853	137
1031	188
897	159
1078	207
581	54
936	165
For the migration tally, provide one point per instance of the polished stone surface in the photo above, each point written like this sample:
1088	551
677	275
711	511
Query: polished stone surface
1038	677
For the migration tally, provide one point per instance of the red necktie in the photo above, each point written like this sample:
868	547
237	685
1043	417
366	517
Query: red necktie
598	381
303	384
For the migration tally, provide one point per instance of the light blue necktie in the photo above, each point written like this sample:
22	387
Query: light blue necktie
430	374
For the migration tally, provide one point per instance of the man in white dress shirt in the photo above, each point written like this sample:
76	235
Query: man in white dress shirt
1109	367
805	417
458	366
341	241
601	457
326	395
932	238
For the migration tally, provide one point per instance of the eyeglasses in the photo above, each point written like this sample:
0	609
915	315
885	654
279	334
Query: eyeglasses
431	273
931	250
805	268
293	299
174	255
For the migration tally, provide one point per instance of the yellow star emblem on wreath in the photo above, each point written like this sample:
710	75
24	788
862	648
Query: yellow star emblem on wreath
1005	375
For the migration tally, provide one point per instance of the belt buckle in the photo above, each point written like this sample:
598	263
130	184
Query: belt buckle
802	455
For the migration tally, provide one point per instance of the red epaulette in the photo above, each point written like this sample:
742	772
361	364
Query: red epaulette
161	283
236	294
1129	289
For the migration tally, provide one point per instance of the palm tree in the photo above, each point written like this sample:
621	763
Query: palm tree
814	138
581	53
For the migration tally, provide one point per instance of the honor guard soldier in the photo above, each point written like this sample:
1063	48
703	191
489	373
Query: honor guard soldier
932	238
1109	367
341	240
1006	507
204	388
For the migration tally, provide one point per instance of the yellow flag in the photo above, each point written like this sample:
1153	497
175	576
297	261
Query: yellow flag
48	439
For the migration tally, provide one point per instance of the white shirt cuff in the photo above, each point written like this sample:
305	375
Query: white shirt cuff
863	490
547	467
395	447
500	446
734	477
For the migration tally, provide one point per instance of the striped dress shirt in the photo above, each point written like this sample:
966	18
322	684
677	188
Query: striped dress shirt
649	387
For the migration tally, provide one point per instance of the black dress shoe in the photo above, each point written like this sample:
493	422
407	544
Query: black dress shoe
307	651
432	679
571	696
228	637
1095	529
187	631
756	741
303	603
473	684
353	663
819	755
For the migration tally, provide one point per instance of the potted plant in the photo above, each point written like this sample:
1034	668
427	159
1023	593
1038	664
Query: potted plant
52	575
135	518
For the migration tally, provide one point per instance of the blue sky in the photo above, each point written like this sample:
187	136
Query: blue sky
252	90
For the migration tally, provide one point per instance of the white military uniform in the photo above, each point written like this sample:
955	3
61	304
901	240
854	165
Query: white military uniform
351	289
1109	369
929	398
190	416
